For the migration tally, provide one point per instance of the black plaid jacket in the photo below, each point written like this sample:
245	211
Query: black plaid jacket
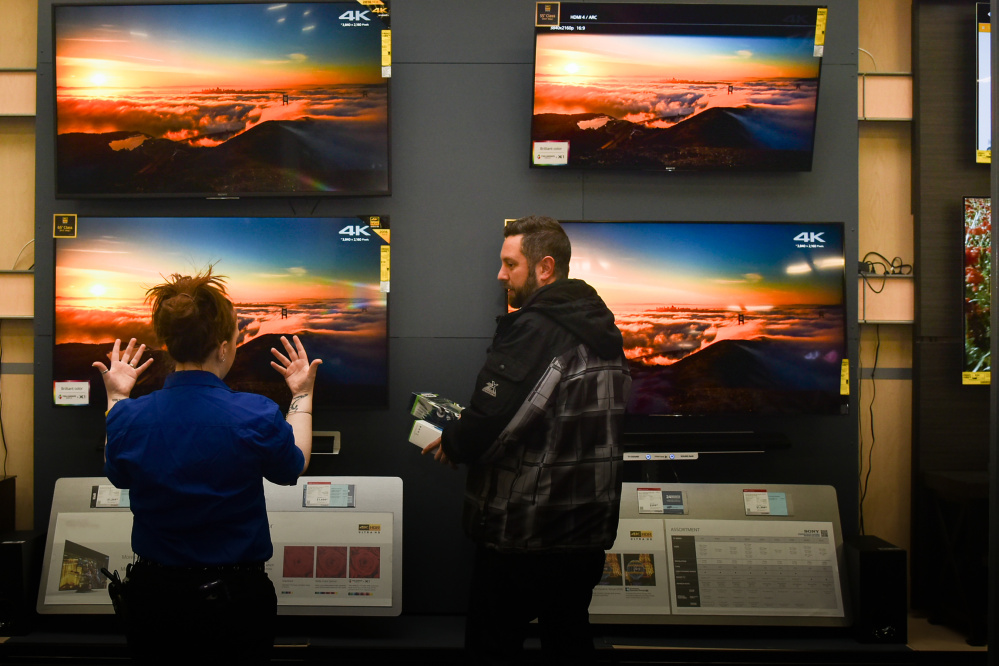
540	435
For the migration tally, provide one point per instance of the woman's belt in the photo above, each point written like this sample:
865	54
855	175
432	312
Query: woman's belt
207	568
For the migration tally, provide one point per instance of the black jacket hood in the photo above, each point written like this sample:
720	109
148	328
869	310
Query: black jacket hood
577	307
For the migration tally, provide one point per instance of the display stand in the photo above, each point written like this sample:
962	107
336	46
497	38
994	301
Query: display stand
725	554
337	545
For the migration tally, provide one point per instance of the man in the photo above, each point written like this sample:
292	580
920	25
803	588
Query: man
540	438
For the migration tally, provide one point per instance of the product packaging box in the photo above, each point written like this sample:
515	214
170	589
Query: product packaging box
422	433
435	409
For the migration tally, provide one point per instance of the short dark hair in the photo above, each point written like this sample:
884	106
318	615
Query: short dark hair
543	237
192	315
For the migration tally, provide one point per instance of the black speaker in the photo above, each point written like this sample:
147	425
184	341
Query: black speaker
878	590
20	570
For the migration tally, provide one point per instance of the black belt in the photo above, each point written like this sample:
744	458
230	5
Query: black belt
213	568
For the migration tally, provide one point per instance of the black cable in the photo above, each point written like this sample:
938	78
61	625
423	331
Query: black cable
888	267
867	281
3	438
870	452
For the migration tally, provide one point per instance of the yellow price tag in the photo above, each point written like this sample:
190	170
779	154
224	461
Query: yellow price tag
386	264
386	48
977	378
844	377
820	26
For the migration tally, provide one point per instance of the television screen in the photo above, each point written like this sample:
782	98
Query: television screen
976	285
677	87
323	279
221	100
983	115
723	318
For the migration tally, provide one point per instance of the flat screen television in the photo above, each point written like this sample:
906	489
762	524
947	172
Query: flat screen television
977	291
983	86
676	87
221	99
722	319
323	279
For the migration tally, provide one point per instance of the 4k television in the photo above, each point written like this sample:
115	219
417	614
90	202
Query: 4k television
723	319
319	278
221	99
676	87
977	297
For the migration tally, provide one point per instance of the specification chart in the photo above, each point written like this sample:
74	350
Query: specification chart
735	567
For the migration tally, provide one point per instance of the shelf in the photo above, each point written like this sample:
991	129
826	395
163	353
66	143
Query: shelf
17	92
17	294
886	299
884	96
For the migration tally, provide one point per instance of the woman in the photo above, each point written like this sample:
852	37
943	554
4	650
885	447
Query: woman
193	455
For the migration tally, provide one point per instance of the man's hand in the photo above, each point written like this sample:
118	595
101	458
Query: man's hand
438	451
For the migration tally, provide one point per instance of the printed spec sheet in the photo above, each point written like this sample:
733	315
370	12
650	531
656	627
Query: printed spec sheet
320	559
721	567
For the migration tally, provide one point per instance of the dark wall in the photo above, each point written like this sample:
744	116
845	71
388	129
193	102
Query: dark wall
950	420
461	109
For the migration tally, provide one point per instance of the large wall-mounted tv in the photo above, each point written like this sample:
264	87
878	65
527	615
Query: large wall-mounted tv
720	318
676	87
221	99
323	279
977	291
983	84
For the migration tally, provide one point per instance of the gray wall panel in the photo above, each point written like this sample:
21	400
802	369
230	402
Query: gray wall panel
461	111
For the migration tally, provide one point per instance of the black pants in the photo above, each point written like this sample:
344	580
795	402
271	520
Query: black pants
509	590
189	616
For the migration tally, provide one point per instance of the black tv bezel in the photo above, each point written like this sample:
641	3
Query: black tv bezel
749	11
208	195
321	406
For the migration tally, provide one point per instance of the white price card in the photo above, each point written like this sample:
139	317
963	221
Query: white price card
326	494
757	502
650	500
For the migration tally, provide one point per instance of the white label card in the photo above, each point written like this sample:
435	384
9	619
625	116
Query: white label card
551	153
757	502
75	393
650	500
325	494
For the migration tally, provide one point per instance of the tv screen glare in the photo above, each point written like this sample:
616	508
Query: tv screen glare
977	292
677	87
723	318
221	100
323	279
983	86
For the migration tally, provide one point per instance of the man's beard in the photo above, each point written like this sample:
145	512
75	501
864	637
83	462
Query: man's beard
517	297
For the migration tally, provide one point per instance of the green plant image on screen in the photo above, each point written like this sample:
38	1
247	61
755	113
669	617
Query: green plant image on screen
977	278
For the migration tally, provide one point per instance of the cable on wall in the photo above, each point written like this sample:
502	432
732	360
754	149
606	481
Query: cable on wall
871	56
14	265
3	438
866	478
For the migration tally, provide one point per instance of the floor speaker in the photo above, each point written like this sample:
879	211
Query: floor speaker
878	590
20	569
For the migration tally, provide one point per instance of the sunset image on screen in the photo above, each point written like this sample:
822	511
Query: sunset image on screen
217	98
677	101
721	317
285	276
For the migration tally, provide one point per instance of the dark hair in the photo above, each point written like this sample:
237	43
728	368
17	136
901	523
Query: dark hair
543	237
192	314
